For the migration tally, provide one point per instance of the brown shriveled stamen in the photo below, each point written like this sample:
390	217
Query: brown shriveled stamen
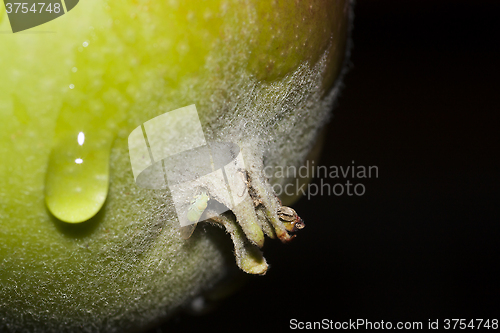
290	219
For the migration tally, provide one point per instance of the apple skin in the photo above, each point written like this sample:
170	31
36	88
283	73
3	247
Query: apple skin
126	267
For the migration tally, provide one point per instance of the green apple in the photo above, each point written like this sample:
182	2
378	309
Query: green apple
81	246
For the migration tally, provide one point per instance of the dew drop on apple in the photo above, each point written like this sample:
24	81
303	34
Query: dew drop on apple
76	183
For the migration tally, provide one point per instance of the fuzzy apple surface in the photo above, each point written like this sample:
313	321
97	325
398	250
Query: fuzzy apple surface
83	248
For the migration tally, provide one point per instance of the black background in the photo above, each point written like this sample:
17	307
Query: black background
421	102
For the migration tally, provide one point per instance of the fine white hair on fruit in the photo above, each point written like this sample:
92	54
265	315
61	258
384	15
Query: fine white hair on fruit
130	268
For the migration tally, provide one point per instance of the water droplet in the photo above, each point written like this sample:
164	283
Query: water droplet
74	69
76	183
77	176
